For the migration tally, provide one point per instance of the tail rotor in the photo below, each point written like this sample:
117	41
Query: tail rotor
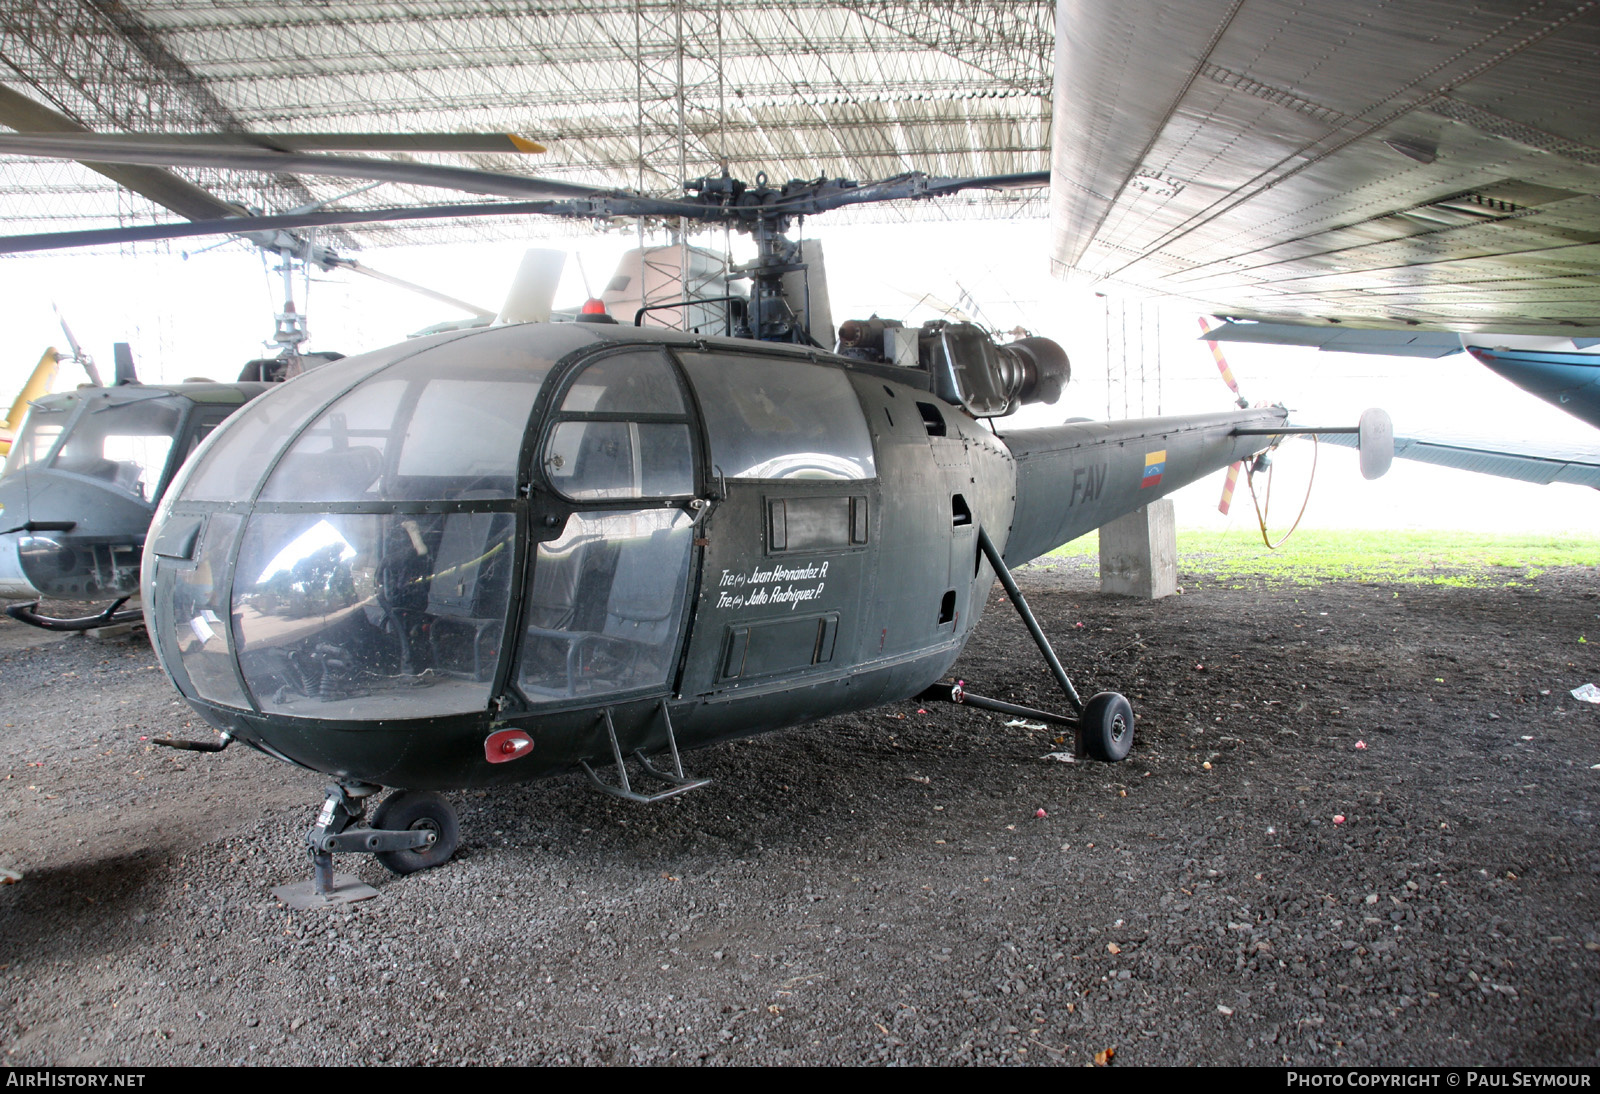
1233	385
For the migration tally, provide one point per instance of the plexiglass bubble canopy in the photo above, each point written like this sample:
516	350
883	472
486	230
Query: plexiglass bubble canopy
358	549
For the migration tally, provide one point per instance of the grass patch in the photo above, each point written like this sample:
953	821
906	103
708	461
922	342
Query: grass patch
1316	556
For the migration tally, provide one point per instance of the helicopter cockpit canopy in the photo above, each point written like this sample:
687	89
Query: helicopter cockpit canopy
500	514
121	440
349	537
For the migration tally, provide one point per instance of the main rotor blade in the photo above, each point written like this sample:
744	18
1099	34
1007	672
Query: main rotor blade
356	267
162	187
566	199
911	186
157	152
599	206
508	143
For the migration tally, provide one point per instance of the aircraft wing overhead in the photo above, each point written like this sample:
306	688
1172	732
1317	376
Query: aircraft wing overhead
1427	165
1576	464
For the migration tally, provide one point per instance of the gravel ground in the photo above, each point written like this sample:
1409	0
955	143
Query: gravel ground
878	888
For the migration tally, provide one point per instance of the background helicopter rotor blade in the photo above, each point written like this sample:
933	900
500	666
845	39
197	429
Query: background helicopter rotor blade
157	152
504	143
378	275
533	290
78	355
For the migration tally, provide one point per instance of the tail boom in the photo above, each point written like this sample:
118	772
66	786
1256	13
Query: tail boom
1073	478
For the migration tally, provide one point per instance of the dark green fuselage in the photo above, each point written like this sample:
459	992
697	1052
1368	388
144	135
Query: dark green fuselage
822	582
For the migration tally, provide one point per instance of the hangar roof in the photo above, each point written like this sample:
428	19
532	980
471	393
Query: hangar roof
624	93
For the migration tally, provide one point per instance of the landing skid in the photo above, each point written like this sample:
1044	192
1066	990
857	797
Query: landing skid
111	617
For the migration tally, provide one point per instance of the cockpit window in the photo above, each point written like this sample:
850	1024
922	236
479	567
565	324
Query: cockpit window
471	428
229	470
590	461
770	418
604	605
376	614
412	434
39	435
625	433
625	384
123	443
340	456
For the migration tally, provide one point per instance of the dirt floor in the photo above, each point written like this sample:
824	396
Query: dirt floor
1358	826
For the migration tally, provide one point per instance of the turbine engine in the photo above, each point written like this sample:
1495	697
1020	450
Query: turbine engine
966	366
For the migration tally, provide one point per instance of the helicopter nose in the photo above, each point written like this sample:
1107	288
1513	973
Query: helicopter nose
14	584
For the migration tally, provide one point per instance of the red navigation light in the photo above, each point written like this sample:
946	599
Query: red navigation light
594	306
508	744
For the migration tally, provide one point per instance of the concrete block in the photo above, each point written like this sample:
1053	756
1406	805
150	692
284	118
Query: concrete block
1139	553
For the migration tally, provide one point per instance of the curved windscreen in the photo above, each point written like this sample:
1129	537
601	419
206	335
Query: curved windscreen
411	433
230	468
359	544
372	615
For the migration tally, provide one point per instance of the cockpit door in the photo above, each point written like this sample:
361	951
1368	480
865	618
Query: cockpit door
604	604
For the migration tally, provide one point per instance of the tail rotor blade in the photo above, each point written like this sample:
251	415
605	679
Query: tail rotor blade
1222	367
1227	488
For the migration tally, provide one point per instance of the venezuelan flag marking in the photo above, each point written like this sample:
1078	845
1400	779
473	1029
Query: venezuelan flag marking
1154	464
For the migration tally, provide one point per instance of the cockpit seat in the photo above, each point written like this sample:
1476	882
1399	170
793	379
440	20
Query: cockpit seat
639	625
467	593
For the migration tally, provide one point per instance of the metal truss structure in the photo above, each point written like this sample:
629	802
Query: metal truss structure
625	93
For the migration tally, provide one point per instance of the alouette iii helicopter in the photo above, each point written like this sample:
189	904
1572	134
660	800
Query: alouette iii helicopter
497	555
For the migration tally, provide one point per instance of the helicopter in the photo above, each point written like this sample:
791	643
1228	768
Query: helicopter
77	497
80	485
495	555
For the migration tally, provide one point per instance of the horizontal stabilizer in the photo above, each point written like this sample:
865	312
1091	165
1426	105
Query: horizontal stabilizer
1526	463
1390	343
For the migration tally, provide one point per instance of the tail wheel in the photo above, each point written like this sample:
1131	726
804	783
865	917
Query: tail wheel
413	810
1107	722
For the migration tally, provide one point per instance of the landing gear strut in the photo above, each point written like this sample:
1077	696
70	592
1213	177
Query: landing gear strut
410	831
1102	727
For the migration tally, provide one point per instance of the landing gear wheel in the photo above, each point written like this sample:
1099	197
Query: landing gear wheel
412	810
1107	721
